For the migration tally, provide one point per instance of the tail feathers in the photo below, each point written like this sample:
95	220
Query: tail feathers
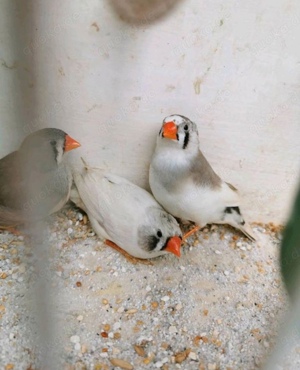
247	231
11	217
234	217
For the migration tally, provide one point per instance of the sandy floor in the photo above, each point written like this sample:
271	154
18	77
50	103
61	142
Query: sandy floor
217	307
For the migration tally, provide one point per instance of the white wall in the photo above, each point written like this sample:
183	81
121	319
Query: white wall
233	67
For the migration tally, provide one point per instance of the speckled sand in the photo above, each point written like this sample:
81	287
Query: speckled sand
217	307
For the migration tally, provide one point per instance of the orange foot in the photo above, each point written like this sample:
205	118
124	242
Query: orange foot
11	229
191	232
129	258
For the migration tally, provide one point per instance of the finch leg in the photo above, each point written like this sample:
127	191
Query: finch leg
191	232
11	229
129	258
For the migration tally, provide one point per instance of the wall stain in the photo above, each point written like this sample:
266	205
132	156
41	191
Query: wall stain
93	107
5	65
197	85
181	61
170	88
96	26
61	71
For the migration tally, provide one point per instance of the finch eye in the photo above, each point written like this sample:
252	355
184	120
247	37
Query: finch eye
53	142
186	127
159	234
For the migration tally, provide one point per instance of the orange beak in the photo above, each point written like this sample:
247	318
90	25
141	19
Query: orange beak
170	130
70	143
173	246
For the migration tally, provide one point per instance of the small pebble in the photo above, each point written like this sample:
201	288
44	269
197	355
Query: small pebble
212	366
115	351
79	216
116	325
193	356
22	269
75	339
172	329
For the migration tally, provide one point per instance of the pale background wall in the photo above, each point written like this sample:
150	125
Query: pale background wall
233	67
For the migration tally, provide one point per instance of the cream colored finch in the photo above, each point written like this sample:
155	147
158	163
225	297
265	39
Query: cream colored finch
125	214
185	184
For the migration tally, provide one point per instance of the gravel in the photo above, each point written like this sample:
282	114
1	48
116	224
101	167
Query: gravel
217	307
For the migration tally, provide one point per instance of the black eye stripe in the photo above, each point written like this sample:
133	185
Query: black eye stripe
152	242
230	209
53	144
186	140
